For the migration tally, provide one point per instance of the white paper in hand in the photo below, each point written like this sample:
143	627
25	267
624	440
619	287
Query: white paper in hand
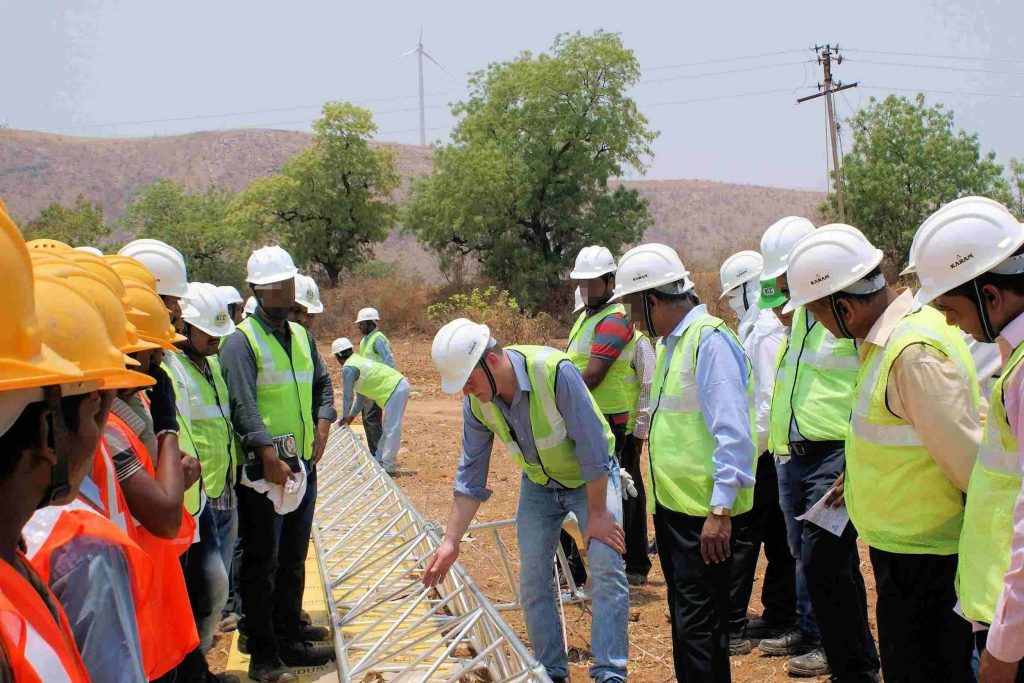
833	520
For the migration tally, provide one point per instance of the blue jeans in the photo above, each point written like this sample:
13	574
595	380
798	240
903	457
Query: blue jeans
538	522
206	566
794	533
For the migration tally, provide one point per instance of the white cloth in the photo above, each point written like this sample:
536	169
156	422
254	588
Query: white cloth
747	317
285	498
762	348
987	361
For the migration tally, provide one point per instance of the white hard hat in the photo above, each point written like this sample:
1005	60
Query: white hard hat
340	344
203	307
90	250
778	241
650	266
307	294
577	300
268	265
830	261
962	244
457	348
230	295
367	314
591	262
164	261
250	306
739	269
956	203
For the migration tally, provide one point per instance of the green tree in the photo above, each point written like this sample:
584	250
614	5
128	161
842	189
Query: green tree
80	225
196	225
1015	171
329	203
908	160
524	183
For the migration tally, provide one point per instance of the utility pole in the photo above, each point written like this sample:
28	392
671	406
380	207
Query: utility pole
826	54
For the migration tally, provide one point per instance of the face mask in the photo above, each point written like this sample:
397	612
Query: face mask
736	304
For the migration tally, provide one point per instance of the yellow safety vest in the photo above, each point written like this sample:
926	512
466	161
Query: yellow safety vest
899	499
186	441
367	344
619	390
680	465
376	381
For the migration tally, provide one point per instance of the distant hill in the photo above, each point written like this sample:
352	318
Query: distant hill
705	220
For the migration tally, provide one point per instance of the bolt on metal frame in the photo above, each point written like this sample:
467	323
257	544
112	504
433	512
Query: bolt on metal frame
372	546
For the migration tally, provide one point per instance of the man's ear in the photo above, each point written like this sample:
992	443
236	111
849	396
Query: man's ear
42	449
992	296
491	358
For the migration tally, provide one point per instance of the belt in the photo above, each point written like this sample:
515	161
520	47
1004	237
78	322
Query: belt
814	449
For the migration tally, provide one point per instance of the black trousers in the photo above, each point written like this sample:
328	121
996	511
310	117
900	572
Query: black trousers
920	637
634	512
373	424
698	599
763	524
981	640
273	568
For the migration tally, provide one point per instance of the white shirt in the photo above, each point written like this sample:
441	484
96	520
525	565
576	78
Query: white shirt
761	344
747	321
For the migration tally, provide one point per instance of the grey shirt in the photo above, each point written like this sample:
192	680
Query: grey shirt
238	363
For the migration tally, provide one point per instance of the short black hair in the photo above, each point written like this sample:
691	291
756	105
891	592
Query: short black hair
22	436
864	298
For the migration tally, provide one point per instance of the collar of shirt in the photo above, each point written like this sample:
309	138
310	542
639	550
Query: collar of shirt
695	313
883	328
1011	337
768	322
522	379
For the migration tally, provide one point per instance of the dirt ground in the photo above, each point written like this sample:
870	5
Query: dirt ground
427	463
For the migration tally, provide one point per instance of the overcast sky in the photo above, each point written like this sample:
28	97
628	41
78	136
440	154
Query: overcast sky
123	68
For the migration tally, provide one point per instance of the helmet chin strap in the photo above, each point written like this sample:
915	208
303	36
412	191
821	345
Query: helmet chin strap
839	318
60	483
489	375
648	319
986	322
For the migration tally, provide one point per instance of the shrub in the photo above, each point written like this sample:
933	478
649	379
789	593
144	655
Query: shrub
401	301
499	311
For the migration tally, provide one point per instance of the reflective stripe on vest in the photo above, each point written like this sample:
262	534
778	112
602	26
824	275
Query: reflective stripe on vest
368	344
680	465
376	380
209	415
104	476
988	518
898	497
814	384
39	648
172	365
556	451
284	383
619	390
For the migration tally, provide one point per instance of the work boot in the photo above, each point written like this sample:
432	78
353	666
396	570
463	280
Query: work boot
310	634
739	644
809	665
222	678
228	623
759	629
304	618
298	653
636	578
792	642
271	671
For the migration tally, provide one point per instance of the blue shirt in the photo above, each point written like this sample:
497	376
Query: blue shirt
383	349
583	424
349	375
722	377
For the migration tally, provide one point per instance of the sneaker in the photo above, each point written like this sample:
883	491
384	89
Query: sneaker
739	645
271	671
228	623
759	629
792	642
309	634
391	471
636	578
811	664
306	654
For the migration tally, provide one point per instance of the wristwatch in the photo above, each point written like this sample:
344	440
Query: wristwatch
721	511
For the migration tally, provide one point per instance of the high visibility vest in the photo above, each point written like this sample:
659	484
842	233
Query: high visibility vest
209	417
988	517
186	441
284	385
814	384
39	648
898	498
555	449
113	506
367	345
178	626
619	390
376	381
680	465
53	527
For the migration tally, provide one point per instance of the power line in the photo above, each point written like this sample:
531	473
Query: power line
964	58
724	60
938	67
927	91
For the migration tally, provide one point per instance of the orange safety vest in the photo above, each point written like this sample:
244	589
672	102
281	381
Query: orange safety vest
177	626
55	526
38	649
112	502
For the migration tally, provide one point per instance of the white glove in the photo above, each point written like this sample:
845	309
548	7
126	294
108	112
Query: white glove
627	485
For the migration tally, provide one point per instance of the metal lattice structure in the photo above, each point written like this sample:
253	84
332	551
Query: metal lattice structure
372	546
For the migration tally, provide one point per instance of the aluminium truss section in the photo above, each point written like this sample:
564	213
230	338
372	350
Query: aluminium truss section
372	547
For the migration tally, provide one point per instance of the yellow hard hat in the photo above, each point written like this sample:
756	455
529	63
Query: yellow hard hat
48	245
99	267
131	269
150	316
123	334
73	327
25	361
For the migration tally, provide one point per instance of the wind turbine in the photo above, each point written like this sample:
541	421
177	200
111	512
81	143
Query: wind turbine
420	54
